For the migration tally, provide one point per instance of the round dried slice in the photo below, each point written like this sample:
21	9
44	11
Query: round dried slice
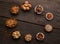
48	28
40	36
38	9
49	16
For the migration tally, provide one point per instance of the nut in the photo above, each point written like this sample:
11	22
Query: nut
16	34
26	6
12	22
14	9
28	37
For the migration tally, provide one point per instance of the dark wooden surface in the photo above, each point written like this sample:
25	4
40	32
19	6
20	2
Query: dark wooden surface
29	22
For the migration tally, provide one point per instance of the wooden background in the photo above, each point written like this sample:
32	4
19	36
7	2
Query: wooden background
29	22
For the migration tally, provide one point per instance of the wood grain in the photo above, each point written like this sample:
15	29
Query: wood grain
31	22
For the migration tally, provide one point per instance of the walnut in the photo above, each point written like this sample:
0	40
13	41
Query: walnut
28	37
12	22
26	6
14	9
16	34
